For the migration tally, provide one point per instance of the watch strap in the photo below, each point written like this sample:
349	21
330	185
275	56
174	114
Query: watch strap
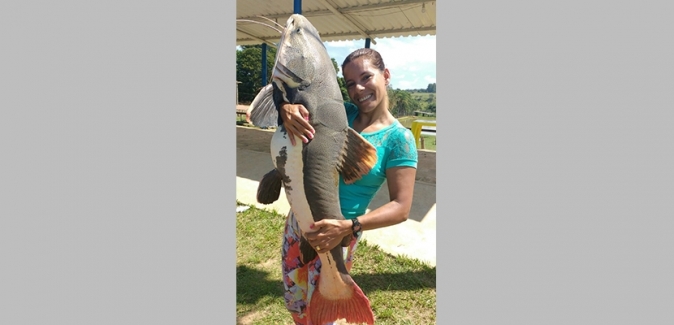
355	226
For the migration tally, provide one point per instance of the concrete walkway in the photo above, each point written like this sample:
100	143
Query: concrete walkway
413	238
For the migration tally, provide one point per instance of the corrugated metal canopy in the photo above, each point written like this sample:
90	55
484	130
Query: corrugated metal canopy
337	20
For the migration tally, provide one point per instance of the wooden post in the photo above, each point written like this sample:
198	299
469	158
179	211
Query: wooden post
237	91
422	143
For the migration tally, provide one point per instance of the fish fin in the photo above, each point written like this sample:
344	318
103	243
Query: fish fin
358	157
269	188
355	308
262	110
307	252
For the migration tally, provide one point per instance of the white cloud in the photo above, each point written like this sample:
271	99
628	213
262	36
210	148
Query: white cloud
405	57
403	84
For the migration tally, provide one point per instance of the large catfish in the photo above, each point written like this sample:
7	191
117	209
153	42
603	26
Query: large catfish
309	173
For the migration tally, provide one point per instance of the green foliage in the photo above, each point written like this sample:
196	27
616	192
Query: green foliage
249	70
426	101
342	87
429	89
401	102
334	63
341	82
405	102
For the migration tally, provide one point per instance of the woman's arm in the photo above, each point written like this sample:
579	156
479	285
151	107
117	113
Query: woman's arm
296	121
400	182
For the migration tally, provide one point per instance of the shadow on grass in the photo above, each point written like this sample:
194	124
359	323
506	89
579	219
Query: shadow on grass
389	281
252	285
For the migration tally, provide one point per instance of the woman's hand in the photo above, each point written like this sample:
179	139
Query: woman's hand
296	121
329	233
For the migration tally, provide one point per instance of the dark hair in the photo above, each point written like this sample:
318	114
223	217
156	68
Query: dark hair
368	53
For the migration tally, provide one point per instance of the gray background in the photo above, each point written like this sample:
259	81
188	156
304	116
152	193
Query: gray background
117	183
558	160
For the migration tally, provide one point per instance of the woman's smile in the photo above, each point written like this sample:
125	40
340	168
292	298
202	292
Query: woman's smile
362	99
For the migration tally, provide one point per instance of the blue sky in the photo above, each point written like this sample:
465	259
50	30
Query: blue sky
411	60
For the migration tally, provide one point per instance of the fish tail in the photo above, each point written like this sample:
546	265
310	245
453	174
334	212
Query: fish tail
353	307
269	188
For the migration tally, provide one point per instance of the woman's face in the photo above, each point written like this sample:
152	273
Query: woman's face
366	84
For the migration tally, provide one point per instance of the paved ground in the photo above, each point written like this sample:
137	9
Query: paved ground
414	237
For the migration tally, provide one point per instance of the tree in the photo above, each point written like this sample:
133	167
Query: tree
431	88
401	102
340	81
249	70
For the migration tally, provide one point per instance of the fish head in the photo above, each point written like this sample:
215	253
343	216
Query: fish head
301	56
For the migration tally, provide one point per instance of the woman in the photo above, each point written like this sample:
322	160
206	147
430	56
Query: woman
366	81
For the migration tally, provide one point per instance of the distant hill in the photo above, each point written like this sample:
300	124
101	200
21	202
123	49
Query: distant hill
404	102
424	96
427	101
429	89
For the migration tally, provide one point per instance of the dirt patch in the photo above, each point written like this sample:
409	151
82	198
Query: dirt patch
249	318
270	262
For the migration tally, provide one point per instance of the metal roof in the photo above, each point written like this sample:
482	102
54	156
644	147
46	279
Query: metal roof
337	20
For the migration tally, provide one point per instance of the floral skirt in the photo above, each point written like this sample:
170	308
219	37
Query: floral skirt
300	279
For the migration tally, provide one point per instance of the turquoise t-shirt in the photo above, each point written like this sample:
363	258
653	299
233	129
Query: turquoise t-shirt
395	147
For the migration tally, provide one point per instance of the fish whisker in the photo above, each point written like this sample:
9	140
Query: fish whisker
277	24
261	23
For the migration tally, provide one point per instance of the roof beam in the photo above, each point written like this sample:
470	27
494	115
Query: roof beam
347	10
384	5
404	30
377	33
347	20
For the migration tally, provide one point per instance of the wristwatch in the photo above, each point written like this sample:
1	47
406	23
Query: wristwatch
355	226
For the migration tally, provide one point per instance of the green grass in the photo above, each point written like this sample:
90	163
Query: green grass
430	142
401	290
406	121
